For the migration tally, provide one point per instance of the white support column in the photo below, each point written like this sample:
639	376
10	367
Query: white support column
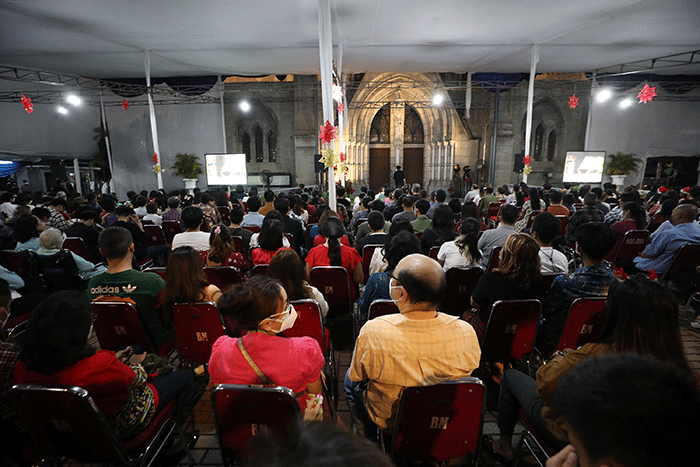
530	98
432	162
152	113
76	169
223	120
112	184
325	48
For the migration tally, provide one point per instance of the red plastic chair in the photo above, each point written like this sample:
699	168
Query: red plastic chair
157	270
433	253
259	270
155	232
461	282
563	222
225	214
495	258
533	214
584	323
632	244
367	252
510	331
380	308
334	284
77	246
222	276
170	229
309	323
687	259
492	214
66	423
118	324
243	412
238	245
538	447
21	263
252	228
440	422
197	326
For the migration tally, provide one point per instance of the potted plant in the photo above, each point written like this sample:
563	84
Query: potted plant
620	165
188	167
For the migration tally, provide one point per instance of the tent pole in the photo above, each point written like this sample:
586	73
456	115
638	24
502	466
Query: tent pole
152	113
530	97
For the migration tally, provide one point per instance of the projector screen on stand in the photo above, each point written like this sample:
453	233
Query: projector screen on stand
584	166
226	169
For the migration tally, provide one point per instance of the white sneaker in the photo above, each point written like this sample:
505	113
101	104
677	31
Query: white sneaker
696	323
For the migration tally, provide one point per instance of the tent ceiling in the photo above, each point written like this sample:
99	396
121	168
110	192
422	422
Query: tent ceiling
107	39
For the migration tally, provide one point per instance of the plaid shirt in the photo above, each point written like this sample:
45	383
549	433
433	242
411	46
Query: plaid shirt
57	220
172	215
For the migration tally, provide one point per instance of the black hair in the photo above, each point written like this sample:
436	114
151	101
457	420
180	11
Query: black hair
443	217
236	215
377	205
595	239
440	195
271	235
423	206
26	228
469	237
282	204
122	211
333	229
140	201
509	214
547	227
638	213
152	208
555	196
269	195
254	203
56	336
631	410
535	199
115	242
192	217
375	221
399	246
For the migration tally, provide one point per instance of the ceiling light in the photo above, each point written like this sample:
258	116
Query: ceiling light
438	98
244	106
62	110
626	102
73	99
603	95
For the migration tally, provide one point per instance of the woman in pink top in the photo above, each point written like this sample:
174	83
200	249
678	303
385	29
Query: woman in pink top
260	306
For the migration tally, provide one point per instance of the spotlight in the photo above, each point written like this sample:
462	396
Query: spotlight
62	110
244	106
438	99
603	95
73	99
626	102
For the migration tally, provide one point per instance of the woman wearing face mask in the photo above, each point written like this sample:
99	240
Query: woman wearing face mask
260	306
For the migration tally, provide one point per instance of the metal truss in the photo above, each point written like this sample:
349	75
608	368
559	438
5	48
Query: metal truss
652	64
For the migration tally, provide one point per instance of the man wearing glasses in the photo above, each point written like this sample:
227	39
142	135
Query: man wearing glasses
417	347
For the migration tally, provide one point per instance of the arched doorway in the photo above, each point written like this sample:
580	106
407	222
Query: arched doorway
413	146
379	149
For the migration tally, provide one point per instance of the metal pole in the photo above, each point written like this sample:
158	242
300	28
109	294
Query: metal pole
530	98
494	143
152	113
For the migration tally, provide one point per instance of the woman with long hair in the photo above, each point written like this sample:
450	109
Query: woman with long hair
319	238
532	204
517	277
641	318
270	241
185	282
261	307
55	352
27	230
442	230
379	261
222	251
462	251
288	268
334	253
634	218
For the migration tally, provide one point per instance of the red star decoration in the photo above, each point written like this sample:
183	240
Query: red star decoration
646	94
526	160
125	104
573	101
27	103
327	133
155	158
341	107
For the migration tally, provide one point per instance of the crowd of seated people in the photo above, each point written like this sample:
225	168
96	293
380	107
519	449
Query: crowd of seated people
296	231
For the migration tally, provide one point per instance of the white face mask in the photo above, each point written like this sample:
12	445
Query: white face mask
287	321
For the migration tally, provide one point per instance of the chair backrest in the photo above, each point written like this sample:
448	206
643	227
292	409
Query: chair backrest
259	270
170	229
460	284
224	212
243	412
77	246
21	262
434	251
156	269
222	276
65	422
632	244
495	258
686	260
309	323
238	245
59	271
367	252
548	279
563	222
583	324
493	210
381	307
440	422
510	331
118	324
156	234
334	284
197	326
531	219
252	228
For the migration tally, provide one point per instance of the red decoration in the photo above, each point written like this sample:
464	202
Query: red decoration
663	189
341	107
327	133
646	94
125	104
342	157
573	101
652	275
27	103
620	272
527	159
155	158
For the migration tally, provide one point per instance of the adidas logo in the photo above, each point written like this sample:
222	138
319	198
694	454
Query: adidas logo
107	290
128	288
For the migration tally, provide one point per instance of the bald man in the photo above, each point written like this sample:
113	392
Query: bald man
417	347
659	254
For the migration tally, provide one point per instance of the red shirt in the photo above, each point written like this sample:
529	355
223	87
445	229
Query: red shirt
320	240
262	256
350	258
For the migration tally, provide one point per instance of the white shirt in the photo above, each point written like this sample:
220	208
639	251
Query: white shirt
197	240
8	209
553	261
451	256
472	195
155	218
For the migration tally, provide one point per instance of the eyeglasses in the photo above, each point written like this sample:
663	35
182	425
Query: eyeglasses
391	276
287	310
